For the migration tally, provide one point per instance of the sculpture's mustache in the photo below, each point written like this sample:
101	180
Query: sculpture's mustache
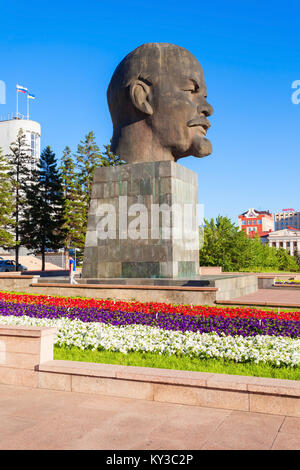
199	121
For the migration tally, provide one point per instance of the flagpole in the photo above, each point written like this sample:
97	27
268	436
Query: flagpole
17	102
27	107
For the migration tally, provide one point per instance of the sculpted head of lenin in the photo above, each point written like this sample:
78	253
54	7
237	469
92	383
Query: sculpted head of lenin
157	100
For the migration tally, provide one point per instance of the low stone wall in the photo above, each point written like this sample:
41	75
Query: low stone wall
174	294
17	283
203	270
266	282
275	275
242	393
223	288
26	359
55	259
49	273
22	349
235	286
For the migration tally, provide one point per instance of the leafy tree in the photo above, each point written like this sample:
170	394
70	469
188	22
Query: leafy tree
226	246
259	255
41	226
6	204
285	261
20	162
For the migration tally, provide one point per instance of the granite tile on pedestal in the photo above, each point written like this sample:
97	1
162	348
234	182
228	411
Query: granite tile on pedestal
130	232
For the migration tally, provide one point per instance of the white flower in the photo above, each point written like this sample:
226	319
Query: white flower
267	349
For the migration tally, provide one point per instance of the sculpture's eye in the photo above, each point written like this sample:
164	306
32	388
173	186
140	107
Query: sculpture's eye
193	87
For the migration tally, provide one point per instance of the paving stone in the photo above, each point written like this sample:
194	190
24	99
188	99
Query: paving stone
47	419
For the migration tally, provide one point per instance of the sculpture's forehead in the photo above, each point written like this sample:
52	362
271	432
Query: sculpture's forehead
170	58
176	62
182	63
185	68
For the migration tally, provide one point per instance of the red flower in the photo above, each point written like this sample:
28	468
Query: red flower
149	307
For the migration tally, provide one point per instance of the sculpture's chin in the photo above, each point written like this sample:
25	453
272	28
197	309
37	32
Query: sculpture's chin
201	147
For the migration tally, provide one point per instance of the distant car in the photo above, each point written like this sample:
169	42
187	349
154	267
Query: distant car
7	265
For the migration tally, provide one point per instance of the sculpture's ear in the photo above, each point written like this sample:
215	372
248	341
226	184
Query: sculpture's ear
139	94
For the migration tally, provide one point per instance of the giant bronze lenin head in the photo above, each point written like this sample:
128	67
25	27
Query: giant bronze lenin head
157	101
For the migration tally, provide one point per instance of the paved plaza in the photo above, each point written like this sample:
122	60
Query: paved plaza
38	419
272	297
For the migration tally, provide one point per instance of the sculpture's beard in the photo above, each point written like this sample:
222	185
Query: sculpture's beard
194	143
201	147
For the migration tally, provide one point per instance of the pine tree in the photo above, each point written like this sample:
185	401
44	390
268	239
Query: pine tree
42	223
110	159
6	204
20	161
88	158
73	205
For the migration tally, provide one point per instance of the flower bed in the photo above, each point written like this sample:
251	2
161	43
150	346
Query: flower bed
218	324
147	307
242	335
287	282
278	351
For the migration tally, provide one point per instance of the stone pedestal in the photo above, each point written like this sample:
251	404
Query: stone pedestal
143	222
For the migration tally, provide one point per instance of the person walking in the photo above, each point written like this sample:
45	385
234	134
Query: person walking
72	269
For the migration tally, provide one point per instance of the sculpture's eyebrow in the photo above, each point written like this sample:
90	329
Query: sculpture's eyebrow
200	86
195	82
191	79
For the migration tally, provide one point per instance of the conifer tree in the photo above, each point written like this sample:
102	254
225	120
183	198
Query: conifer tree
42	223
6	204
110	158
88	158
20	161
73	205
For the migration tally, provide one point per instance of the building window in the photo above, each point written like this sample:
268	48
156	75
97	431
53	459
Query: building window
34	145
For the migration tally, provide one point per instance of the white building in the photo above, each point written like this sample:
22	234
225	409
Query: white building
9	130
288	239
8	134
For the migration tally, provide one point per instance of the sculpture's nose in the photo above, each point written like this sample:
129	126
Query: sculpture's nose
205	108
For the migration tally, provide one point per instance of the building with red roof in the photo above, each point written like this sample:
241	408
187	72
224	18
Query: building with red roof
254	222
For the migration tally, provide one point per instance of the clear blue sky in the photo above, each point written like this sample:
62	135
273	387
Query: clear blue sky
66	51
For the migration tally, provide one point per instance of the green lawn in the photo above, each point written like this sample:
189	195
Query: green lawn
174	362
